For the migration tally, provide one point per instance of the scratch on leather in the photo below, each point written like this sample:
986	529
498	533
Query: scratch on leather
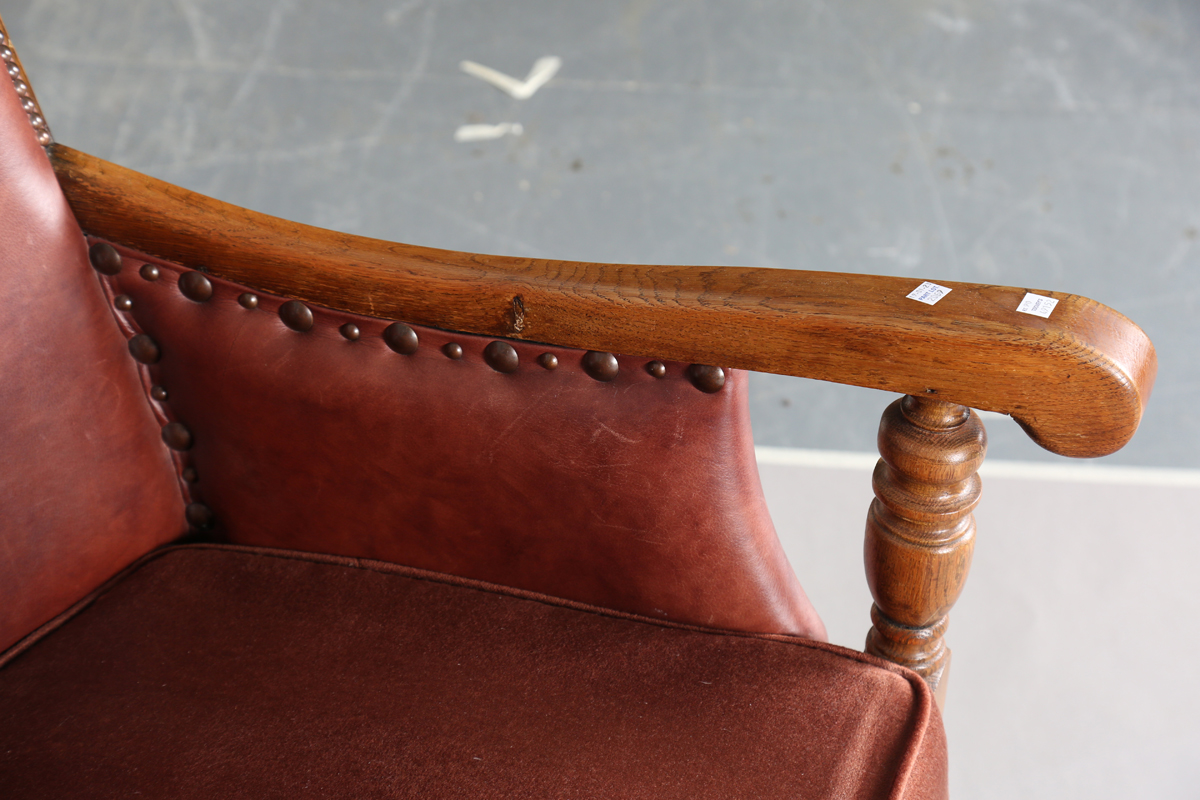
602	428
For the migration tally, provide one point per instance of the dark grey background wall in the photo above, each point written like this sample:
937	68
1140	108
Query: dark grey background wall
1042	144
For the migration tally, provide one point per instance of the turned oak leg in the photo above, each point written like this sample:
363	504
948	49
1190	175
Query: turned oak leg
920	530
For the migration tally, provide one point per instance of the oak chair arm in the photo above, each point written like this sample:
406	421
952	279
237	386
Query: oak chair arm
1077	382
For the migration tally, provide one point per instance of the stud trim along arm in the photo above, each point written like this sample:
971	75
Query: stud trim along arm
1077	381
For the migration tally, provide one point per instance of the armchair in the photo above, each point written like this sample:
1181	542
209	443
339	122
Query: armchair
289	511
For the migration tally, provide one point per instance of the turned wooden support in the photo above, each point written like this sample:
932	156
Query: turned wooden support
920	530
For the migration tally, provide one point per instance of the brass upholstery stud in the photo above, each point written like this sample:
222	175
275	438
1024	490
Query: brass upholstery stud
195	286
189	474
657	369
296	316
176	436
158	393
350	331
601	366
199	516
248	301
548	361
705	378
105	258
144	349
452	350
149	272
502	357
123	302
401	338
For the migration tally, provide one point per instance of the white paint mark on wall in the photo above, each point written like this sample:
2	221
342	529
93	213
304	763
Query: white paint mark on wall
483	132
543	70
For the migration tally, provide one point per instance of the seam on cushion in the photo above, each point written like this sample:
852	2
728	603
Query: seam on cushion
127	329
44	630
415	573
915	682
916	743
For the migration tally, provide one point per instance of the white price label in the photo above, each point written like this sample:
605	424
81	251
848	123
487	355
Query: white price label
928	293
1038	305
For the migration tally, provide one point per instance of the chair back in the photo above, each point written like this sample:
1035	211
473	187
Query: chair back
86	484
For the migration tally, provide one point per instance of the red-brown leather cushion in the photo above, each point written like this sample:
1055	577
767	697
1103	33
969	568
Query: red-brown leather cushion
639	494
86	485
212	672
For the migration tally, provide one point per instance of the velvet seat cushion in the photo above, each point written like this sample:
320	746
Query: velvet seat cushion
219	671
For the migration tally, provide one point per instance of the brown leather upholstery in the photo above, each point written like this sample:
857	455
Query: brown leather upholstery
212	672
86	485
639	494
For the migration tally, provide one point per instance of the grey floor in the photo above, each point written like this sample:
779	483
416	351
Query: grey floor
1041	144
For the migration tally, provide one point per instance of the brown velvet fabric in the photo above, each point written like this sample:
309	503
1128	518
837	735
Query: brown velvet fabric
211	672
86	486
639	494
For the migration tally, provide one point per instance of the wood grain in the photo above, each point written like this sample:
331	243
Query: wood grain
920	530
1077	382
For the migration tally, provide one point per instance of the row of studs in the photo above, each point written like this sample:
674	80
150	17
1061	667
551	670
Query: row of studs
21	84
175	435
499	355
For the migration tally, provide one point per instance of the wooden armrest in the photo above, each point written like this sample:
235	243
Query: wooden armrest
1077	382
